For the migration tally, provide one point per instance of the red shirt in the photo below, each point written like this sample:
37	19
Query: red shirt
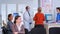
39	18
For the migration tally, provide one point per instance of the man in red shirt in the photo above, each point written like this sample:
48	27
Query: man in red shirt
39	18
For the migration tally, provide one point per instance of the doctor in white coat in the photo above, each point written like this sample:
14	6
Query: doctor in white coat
27	18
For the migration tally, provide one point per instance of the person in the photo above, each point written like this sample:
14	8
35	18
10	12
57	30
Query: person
58	15
18	27
39	18
39	23
10	23
27	19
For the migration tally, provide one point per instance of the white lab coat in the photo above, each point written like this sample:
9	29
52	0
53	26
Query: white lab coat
27	19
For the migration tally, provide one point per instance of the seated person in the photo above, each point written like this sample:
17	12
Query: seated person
18	27
58	15
9	24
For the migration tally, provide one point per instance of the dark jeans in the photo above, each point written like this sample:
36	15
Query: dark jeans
26	31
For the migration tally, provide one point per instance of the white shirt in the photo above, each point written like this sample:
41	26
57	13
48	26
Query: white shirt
27	19
19	26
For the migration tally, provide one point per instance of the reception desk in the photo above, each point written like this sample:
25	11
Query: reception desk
49	25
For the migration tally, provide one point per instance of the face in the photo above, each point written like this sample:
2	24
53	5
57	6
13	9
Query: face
11	17
28	8
39	9
58	10
18	20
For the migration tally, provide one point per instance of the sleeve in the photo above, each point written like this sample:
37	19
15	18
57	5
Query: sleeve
57	18
9	26
43	17
35	17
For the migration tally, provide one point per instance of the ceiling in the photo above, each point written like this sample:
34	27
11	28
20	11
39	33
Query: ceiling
16	1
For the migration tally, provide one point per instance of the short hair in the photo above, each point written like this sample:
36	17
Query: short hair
9	16
39	7
58	8
26	7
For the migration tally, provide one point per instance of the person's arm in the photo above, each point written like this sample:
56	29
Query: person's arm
9	26
35	17
57	18
43	17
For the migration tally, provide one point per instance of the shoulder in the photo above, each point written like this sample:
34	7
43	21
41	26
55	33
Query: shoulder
8	22
24	13
42	13
36	14
13	25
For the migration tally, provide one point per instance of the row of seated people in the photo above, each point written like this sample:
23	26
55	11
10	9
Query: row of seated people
18	28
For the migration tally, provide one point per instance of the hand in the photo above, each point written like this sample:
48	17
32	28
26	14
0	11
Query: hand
30	23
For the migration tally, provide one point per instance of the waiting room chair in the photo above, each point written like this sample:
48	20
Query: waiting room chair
54	30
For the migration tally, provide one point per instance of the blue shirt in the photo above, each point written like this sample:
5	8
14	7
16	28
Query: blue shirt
58	17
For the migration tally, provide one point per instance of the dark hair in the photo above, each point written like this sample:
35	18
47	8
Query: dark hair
58	8
26	7
9	16
16	19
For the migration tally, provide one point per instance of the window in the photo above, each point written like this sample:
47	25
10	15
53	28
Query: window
11	8
3	11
